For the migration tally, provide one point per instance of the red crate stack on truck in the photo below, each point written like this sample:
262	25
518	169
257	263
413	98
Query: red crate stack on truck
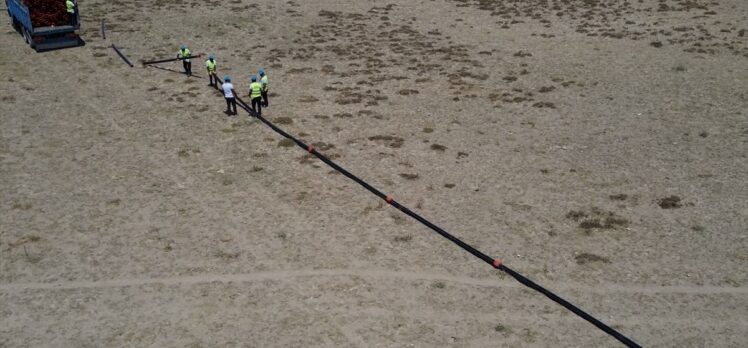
47	13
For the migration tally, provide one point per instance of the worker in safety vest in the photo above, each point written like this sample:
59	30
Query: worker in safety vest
210	65
186	63
255	94
70	5
265	87
228	93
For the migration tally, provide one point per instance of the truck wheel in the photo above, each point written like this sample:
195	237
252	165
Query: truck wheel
28	38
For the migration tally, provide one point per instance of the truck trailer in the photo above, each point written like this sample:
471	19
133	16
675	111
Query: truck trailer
45	25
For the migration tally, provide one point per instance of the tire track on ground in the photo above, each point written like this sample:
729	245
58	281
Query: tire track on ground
281	275
425	313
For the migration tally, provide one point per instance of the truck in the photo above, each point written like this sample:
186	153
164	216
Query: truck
44	31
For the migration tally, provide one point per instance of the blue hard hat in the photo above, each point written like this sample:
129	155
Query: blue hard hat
254	78
211	57
182	47
227	78
262	72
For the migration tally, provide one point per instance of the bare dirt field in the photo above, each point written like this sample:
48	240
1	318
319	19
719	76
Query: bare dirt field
597	146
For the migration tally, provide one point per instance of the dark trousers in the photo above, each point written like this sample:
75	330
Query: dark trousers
257	105
213	78
265	99
231	106
71	18
187	67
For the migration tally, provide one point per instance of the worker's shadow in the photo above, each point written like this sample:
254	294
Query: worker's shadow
174	71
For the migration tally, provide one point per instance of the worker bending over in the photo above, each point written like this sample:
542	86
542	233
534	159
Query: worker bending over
265	86
210	65
184	52
70	5
255	94
228	93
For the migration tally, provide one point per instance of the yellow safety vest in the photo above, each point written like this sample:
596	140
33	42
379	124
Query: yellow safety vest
255	90
265	84
184	53
70	5
211	65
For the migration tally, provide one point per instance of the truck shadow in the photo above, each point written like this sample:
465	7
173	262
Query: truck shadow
81	43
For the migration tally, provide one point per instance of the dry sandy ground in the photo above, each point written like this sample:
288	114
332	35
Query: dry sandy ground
134	213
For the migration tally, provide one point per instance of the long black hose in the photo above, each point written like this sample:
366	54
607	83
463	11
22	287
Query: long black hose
495	263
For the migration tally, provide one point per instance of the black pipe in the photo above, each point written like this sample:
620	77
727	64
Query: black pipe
169	60
174	71
122	56
566	304
495	263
